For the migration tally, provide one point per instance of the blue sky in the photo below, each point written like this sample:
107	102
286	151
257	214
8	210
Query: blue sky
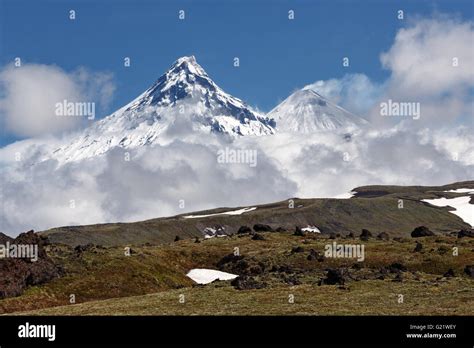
276	55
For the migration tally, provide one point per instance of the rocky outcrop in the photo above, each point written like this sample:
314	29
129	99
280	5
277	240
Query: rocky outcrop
247	283
334	276
465	233
16	274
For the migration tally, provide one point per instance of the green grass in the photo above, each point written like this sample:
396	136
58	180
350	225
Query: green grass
149	282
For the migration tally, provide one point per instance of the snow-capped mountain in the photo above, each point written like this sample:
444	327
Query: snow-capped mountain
186	94
305	111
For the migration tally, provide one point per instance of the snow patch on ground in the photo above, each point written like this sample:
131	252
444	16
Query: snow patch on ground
232	212
463	209
461	190
309	228
345	195
210	232
206	276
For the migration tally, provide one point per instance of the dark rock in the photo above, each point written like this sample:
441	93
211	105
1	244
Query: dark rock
244	229
16	274
397	267
247	283
262	228
4	238
298	232
383	236
79	249
469	270
257	269
350	235
257	236
177	238
332	235
421	231
230	258
197	240
297	249
365	235
334	276
280	229
449	273
418	247
465	233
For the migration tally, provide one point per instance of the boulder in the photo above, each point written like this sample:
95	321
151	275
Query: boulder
421	231
365	235
469	270
465	233
298	232
257	236
244	229
334	276
262	228
397	267
247	283
449	273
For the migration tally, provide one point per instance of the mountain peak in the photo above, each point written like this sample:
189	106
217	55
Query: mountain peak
187	64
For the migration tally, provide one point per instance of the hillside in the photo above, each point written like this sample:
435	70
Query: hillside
373	207
151	279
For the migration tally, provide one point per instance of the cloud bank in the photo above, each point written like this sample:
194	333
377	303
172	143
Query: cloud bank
30	93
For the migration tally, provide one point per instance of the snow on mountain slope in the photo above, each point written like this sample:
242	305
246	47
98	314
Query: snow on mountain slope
185	94
305	111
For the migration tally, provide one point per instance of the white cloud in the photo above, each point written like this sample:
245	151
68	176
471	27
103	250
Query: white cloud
421	71
29	94
421	58
110	189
